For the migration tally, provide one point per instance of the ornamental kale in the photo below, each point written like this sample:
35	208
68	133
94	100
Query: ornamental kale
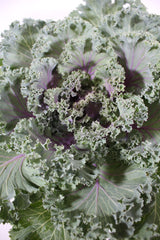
80	125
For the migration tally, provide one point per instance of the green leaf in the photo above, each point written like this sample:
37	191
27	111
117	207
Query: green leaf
115	182
13	106
36	224
45	73
24	234
149	227
55	36
132	112
18	41
129	19
1	61
15	174
94	11
152	24
22	201
138	54
7	212
151	128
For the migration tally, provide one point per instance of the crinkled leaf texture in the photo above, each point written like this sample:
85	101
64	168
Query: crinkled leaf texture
94	11
45	70
151	128
151	221
15	174
35	223
116	182
80	125
13	105
18	41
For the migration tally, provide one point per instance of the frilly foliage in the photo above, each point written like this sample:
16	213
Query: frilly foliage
80	125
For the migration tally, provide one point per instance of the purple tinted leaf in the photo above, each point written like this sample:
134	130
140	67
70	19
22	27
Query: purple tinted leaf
45	73
151	129
92	110
66	139
60	136
13	106
49	78
109	87
86	62
135	57
46	76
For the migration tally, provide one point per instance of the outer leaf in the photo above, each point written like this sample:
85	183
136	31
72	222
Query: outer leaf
36	224
151	128
18	42
27	233
127	20
138	56
152	24
13	106
94	11
14	174
115	182
150	226
7	212
1	61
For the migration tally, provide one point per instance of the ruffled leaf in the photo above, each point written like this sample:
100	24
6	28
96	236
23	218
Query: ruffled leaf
44	73
149	228
35	224
152	25
18	41
57	135
13	106
115	182
15	174
129	19
138	55
94	11
151	128
55	36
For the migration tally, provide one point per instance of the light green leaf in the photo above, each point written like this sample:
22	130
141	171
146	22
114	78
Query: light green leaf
13	106
116	181
151	128
149	228
94	11
15	174
18	41
138	54
152	24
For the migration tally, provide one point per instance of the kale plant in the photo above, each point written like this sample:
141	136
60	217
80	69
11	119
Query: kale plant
80	125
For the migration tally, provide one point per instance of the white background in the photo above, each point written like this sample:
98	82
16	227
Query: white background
11	10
